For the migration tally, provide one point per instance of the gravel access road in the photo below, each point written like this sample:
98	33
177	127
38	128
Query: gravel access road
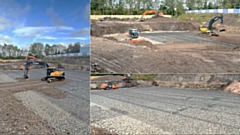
68	114
158	110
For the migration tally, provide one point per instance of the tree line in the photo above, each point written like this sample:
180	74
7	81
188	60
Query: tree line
170	7
37	49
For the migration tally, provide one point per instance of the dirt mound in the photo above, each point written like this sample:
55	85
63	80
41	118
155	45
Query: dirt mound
108	78
108	27
196	81
147	44
233	88
117	19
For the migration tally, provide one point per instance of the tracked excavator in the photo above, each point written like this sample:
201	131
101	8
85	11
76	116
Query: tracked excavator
31	60
51	74
157	14
133	37
209	29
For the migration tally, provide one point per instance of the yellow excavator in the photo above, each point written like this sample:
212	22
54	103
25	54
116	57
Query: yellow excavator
209	29
133	37
157	14
52	72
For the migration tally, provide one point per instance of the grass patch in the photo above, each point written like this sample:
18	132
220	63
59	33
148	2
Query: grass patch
145	77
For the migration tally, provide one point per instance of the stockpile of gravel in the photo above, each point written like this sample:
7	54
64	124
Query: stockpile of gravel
4	78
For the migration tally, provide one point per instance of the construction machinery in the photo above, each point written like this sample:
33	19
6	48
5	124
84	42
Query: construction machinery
156	14
127	78
109	85
52	72
133	36
31	59
2	61
209	29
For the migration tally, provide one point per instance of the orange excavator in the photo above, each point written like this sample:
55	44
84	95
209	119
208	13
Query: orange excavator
157	14
109	85
132	36
52	73
31	59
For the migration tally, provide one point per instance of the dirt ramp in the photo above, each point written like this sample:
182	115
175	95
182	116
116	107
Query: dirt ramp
233	88
147	44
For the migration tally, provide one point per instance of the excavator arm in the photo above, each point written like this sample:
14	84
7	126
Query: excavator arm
157	13
210	27
29	63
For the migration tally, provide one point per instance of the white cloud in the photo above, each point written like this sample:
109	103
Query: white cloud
48	38
37	31
77	38
85	31
5	39
4	23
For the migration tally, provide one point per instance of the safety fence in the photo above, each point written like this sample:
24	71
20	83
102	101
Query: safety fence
69	55
227	11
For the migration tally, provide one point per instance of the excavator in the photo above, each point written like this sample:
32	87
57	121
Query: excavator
209	29
157	14
33	59
132	36
109	85
52	72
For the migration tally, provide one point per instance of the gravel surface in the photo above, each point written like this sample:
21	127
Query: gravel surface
60	119
156	110
74	104
4	78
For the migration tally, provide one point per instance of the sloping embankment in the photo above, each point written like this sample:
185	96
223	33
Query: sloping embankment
196	81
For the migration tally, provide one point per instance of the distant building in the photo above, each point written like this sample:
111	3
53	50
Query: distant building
85	48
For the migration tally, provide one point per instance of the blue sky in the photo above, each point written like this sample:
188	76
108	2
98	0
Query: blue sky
23	22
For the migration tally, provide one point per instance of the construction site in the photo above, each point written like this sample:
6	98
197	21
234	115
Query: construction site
186	103
46	96
164	45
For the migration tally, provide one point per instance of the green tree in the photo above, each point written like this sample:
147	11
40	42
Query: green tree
36	49
180	9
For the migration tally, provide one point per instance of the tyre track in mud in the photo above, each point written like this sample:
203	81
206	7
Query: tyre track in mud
117	62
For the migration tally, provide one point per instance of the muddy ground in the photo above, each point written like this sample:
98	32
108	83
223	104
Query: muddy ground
60	107
15	117
174	47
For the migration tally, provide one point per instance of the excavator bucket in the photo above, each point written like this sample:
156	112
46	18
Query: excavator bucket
222	30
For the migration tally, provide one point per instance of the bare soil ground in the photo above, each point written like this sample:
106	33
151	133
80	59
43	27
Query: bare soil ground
16	118
100	131
169	53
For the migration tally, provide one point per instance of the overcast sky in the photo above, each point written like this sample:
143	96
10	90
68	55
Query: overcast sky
23	22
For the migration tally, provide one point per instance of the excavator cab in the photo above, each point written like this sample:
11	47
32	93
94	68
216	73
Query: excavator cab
133	37
133	33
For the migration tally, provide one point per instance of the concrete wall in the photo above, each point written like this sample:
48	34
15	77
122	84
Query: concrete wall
227	11
96	17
